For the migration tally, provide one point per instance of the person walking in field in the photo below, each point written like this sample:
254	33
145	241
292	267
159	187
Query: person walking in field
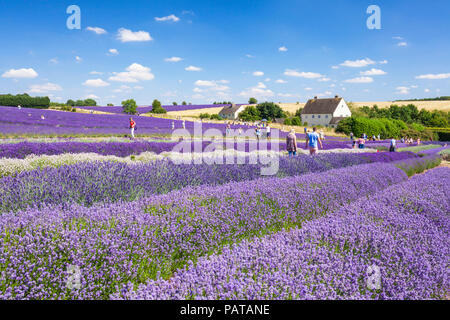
132	127
268	132
291	143
313	140
184	124
173	125
393	145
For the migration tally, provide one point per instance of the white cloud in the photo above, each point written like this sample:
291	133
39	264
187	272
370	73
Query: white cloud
402	90
383	62
78	59
173	59
307	75
287	95
335	67
397	38
172	18
91	96
134	73
434	76
403	44
324	79
96	72
125	35
20	73
360	80
258	73
259	91
427	90
357	63
308	89
249	56
282	49
197	96
138	87
205	83
113	52
41	88
122	88
96	30
373	72
211	85
193	68
414	87
54	60
281	81
96	83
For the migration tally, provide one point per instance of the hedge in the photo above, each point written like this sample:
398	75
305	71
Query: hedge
25	101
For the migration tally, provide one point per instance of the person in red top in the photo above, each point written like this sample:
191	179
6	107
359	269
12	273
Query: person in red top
132	126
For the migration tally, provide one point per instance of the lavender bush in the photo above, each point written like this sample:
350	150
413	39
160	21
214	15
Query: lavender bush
91	182
130	243
402	232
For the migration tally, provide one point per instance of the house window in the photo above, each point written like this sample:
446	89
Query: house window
313	116
318	116
326	117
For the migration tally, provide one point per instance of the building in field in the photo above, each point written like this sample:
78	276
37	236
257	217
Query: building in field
231	112
325	112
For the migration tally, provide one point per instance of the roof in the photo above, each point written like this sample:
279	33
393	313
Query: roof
321	106
230	110
336	120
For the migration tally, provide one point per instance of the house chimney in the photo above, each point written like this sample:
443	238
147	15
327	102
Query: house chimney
336	96
315	98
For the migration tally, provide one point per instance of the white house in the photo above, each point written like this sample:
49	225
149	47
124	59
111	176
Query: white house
231	112
325	112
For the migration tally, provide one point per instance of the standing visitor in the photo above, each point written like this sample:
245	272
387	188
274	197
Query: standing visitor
19	106
184	124
321	134
393	145
418	141
132	127
361	142
306	130
173	125
312	140
291	143
268	132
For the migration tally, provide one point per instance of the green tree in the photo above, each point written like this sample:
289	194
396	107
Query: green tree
90	103
184	103
270	111
157	108
79	103
204	116
250	113
252	101
129	106
174	103
71	103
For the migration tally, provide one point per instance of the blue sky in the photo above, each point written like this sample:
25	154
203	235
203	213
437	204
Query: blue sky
205	51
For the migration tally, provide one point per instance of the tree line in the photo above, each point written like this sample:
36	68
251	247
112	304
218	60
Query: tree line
24	100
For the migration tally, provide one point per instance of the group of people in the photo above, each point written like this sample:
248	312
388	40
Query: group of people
411	141
313	140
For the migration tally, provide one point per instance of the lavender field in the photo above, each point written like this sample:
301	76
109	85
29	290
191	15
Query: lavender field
88	218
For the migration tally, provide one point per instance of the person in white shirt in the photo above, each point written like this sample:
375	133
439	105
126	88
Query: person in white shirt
268	132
